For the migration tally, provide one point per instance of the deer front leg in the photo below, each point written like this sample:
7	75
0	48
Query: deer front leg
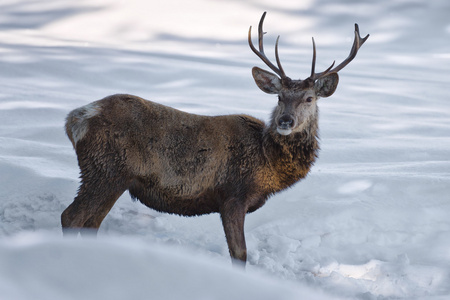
233	216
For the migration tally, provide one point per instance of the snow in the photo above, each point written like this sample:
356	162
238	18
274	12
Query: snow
372	219
41	268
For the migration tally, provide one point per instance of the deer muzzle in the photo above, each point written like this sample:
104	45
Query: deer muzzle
285	124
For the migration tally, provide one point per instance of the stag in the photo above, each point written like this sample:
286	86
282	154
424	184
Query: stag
187	164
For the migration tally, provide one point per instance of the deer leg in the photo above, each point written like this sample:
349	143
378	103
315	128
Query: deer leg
95	221
233	216
91	226
89	208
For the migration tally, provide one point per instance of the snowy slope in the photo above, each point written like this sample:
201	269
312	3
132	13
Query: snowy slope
41	268
371	221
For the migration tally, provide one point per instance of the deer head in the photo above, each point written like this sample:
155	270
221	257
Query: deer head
297	98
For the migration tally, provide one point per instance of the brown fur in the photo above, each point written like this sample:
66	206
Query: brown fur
181	163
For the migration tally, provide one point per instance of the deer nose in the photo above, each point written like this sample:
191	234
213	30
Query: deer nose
286	122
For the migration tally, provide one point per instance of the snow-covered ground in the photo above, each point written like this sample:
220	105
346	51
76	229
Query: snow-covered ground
371	221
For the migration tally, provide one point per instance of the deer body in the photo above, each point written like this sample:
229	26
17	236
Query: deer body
183	163
178	162
188	164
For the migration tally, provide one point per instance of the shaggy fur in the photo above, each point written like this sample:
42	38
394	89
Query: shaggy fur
181	163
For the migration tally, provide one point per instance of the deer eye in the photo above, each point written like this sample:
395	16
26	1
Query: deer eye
309	99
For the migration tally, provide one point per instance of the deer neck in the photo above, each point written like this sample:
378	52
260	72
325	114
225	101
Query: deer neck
290	158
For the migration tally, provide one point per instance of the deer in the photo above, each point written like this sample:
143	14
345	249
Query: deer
186	164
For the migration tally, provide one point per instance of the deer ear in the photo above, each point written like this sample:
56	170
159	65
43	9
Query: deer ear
326	86
266	81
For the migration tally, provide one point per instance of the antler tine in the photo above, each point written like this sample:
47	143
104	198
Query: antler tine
261	53
314	75
313	67
261	33
357	43
278	59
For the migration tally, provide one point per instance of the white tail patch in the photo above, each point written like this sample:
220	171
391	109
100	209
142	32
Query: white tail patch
77	121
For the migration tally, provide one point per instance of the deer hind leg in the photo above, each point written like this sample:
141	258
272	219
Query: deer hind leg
90	207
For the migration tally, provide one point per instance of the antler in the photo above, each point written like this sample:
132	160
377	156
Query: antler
357	43
261	53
